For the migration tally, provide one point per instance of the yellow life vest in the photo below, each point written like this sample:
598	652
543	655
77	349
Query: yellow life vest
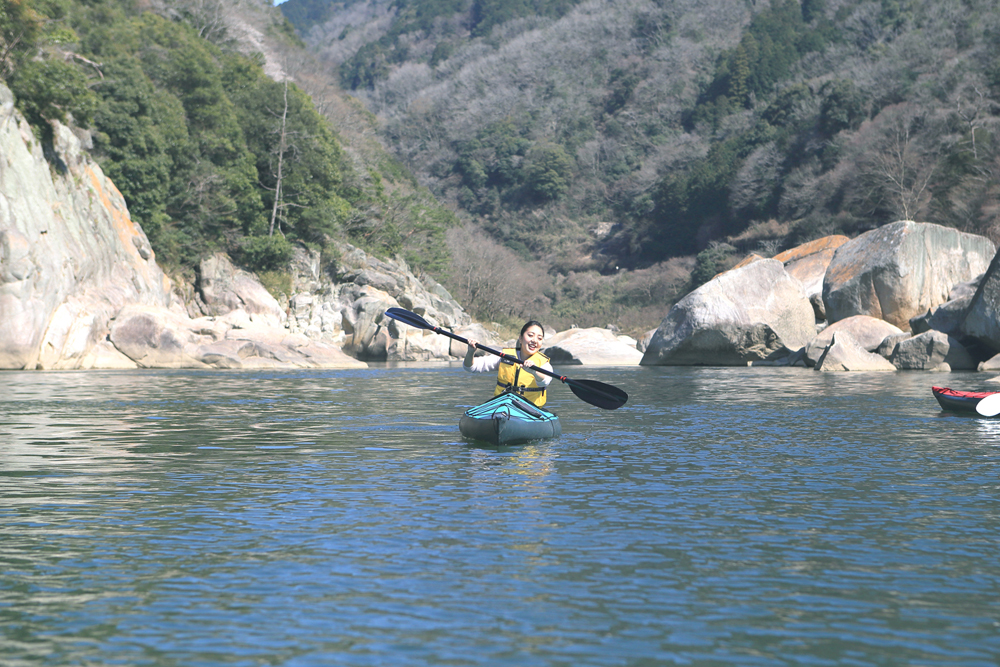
516	379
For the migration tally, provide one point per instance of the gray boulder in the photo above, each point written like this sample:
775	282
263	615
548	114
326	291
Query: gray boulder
476	332
224	288
153	337
901	270
991	365
949	316
888	346
868	332
591	347
753	313
846	354
932	351
982	320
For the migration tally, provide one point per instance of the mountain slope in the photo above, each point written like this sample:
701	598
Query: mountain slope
607	135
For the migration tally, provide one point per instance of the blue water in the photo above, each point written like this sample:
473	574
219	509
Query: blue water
722	517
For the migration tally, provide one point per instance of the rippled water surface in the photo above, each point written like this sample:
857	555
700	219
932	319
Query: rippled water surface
724	516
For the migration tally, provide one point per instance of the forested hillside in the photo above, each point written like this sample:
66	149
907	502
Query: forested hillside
587	138
209	151
582	161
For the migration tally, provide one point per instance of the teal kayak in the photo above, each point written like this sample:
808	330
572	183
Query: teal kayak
508	419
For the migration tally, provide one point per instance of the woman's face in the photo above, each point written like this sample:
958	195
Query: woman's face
531	340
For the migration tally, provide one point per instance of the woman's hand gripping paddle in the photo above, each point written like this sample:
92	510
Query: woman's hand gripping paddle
596	393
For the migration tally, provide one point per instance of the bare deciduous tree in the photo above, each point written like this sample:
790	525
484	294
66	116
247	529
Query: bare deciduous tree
282	147
899	168
491	279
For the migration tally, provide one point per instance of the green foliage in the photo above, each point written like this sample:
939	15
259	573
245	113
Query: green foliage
20	27
500	163
711	261
278	283
139	130
785	108
366	67
685	201
313	207
486	14
441	52
843	107
548	171
50	89
776	39
304	14
264	253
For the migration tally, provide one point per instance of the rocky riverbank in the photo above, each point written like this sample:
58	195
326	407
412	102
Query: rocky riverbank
80	289
906	296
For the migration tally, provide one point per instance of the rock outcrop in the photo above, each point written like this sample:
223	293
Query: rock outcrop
70	255
345	304
159	338
754	313
80	287
901	270
223	288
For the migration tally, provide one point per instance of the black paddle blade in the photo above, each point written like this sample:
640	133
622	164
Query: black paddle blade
406	317
602	395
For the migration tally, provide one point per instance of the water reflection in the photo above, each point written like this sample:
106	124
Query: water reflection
724	516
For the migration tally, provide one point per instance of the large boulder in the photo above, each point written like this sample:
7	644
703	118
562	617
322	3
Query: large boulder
868	332
949	316
901	270
982	319
155	338
932	351
591	347
846	354
754	313
809	261
224	288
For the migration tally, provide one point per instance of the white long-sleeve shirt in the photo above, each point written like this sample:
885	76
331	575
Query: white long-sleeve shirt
489	362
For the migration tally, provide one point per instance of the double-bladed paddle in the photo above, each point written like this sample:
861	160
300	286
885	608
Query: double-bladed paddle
602	395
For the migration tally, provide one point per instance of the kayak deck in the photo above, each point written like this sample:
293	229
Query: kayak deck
509	419
955	400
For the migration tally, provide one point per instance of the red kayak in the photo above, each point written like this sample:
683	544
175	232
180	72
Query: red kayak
959	401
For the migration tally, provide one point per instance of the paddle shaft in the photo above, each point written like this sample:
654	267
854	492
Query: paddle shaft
505	357
596	393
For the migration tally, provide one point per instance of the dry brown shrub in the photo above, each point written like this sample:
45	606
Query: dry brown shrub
492	281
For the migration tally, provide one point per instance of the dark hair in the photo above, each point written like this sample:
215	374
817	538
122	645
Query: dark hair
529	324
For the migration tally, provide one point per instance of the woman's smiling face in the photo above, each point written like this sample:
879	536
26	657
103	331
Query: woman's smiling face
531	340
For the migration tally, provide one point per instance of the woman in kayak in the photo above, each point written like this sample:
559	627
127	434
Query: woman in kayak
516	377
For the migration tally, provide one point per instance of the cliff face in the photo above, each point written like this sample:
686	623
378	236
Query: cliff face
70	255
80	287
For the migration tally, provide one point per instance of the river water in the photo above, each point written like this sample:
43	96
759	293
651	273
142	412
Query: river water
722	517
